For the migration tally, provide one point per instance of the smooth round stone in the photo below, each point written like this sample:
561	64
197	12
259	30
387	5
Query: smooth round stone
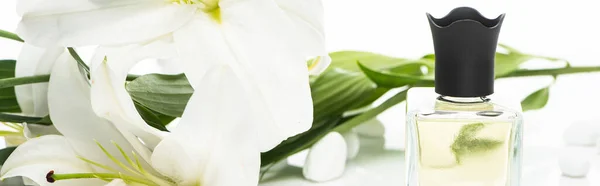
326	160
371	128
574	163
352	144
582	133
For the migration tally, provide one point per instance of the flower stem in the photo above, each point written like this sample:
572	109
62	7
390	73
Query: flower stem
10	35
51	177
11	82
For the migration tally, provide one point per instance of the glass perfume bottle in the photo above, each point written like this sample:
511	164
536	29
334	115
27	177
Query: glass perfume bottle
462	137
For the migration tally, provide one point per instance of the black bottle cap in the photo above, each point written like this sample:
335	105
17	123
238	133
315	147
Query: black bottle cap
465	47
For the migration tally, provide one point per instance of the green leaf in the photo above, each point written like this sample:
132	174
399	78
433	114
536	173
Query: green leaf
8	99
165	94
372	113
536	100
413	69
5	153
84	69
390	80
347	60
338	91
152	118
508	63
10	35
466	142
299	142
44	121
4	117
511	61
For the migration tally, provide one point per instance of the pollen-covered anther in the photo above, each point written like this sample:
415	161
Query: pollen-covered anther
50	177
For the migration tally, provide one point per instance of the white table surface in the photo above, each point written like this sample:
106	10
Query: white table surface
377	166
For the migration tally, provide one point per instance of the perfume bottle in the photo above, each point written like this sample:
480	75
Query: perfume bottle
459	135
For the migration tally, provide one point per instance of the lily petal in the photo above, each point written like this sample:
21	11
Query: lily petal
218	135
110	100
99	22
49	7
307	16
319	65
259	51
78	122
36	157
35	61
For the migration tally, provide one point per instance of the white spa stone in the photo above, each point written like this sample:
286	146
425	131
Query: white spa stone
326	160
371	128
574	163
352	144
582	133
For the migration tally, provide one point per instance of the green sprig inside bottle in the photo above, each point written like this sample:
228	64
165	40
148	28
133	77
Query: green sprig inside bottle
466	142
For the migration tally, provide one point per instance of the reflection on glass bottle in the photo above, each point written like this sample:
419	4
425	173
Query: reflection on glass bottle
464	138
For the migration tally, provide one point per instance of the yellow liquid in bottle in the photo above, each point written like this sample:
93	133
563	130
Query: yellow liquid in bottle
463	153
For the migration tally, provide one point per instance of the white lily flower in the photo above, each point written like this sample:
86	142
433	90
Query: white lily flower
32	61
264	41
109	70
33	98
83	133
94	151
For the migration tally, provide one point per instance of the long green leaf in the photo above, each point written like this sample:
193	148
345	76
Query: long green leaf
5	153
8	99
395	80
339	91
368	115
536	100
10	35
84	69
165	94
299	142
152	118
24	119
347	60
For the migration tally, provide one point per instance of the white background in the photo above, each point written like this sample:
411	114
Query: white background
563	29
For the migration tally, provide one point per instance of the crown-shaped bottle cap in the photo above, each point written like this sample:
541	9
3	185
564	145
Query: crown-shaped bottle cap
465	46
